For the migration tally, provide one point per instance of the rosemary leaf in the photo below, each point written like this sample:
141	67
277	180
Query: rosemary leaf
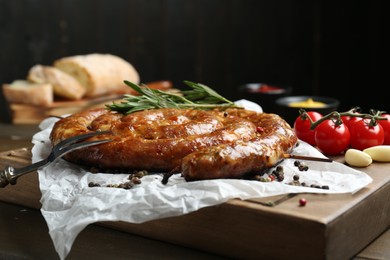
199	97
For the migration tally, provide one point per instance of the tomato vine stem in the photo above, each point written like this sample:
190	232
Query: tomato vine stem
373	116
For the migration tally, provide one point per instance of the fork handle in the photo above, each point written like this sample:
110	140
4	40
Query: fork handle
7	177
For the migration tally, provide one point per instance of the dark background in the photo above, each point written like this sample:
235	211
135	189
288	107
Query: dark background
330	48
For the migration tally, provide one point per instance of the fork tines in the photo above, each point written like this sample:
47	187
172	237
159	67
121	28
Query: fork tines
75	142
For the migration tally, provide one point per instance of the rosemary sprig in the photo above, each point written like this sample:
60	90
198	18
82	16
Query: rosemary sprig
199	97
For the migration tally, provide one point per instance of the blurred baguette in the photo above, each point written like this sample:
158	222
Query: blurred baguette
27	92
100	74
63	84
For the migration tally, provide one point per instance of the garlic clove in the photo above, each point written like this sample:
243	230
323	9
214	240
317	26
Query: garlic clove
357	158
379	153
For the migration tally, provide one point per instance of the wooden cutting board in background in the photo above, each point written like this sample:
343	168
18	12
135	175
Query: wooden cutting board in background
29	114
329	227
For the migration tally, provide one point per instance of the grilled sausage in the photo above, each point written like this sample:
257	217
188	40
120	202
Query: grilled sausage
273	140
224	144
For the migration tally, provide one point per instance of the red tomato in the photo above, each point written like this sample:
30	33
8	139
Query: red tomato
386	128
332	139
350	120
364	136
302	127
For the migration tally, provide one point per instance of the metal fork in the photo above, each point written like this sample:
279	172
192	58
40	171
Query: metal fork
9	175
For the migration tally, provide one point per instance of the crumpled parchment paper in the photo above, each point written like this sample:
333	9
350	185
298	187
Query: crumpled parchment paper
69	204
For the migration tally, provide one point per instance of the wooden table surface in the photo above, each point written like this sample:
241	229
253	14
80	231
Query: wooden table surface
24	234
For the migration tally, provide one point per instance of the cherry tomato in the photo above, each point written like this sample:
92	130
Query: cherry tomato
386	128
350	120
363	135
332	139
302	127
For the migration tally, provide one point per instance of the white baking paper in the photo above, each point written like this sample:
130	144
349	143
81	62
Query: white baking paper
69	204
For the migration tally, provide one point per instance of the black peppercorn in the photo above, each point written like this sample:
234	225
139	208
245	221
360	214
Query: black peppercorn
279	168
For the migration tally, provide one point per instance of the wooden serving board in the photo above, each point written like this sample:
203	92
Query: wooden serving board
328	227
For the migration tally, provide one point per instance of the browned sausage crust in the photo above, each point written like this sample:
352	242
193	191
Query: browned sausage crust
274	138
214	144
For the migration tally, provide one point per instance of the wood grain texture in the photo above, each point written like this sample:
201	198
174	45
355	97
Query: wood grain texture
22	114
24	235
379	249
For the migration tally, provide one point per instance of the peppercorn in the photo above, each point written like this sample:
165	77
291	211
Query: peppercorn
257	177
135	180
128	185
93	184
265	179
303	167
302	202
141	174
279	168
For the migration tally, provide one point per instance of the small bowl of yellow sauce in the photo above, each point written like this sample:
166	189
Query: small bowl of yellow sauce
308	103
288	107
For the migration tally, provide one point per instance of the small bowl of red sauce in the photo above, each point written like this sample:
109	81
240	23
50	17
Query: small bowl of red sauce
264	94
